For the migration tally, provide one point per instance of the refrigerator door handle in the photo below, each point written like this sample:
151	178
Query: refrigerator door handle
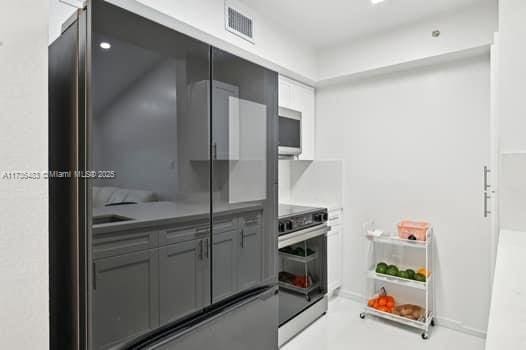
200	247
94	277
242	238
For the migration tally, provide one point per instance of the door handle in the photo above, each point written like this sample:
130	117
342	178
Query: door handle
242	238
486	184
201	249
206	248
486	211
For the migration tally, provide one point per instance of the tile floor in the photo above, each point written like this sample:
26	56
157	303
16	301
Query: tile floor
342	329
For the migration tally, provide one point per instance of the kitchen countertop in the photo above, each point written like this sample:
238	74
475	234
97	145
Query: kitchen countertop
163	213
329	206
507	319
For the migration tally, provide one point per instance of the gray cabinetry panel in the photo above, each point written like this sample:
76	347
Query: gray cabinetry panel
122	242
184	279
224	265
137	288
182	233
125	297
250	253
225	223
237	254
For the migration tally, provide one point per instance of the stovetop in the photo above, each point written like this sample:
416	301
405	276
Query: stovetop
287	210
293	218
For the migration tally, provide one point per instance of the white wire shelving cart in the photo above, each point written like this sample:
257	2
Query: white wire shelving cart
411	291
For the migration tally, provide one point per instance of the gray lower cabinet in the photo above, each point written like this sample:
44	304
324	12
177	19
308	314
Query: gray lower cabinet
136	291
250	254
184	278
225	265
125	297
237	255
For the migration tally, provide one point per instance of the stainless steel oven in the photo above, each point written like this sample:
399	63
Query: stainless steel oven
302	247
289	132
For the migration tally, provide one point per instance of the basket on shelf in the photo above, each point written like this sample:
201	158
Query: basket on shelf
414	235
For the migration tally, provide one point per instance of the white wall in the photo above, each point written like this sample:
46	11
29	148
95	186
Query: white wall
284	186
471	27
311	183
512	75
513	192
23	146
411	145
511	113
276	48
58	14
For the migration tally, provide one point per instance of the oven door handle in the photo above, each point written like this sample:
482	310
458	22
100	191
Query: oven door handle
303	235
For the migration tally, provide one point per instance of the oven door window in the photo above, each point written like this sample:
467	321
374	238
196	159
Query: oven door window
289	132
302	276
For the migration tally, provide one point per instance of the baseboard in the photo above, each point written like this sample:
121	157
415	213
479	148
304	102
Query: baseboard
351	295
459	327
441	321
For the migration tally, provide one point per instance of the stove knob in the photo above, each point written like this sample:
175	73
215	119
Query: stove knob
318	217
325	216
288	225
281	227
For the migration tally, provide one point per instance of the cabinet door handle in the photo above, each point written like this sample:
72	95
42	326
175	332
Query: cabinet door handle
201	249
242	238
214	151
94	277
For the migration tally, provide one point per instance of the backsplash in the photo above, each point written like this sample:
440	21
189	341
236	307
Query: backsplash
316	183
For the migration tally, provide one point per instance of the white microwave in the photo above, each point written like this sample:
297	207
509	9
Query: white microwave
289	132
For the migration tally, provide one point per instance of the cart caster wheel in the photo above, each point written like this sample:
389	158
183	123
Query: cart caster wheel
362	315
308	299
432	323
425	336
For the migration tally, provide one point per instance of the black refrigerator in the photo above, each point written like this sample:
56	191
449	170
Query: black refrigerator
163	189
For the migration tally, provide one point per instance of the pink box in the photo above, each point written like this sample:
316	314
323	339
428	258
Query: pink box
406	228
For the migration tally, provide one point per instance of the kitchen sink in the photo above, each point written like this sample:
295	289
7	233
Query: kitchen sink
109	219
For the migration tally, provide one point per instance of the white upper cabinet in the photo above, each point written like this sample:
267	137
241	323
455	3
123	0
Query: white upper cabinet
305	96
294	95
285	93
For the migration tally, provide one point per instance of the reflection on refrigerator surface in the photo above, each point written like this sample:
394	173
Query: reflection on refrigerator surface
188	218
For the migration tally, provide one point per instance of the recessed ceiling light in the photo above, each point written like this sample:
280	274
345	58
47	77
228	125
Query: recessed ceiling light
105	45
376	1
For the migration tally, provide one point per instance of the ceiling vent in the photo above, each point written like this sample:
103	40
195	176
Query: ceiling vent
238	22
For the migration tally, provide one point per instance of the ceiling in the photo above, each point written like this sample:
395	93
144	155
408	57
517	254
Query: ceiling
323	23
